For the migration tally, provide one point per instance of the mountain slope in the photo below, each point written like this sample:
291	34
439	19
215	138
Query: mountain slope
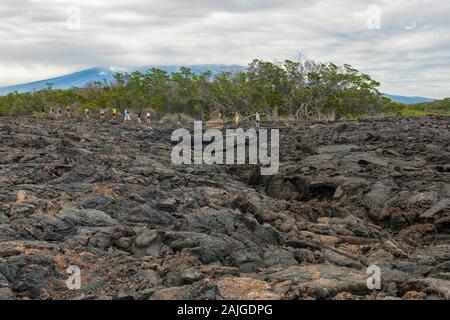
80	78
407	100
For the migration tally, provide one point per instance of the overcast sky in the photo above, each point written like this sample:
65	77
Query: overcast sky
405	44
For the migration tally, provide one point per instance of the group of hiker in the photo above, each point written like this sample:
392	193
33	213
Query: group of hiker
126	115
88	114
237	119
57	113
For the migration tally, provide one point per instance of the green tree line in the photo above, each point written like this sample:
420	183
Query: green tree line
300	90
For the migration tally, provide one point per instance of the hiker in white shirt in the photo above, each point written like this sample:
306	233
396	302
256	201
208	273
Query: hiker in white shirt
127	116
258	119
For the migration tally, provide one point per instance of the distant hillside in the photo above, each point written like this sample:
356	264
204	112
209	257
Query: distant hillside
77	79
441	107
407	100
436	107
81	78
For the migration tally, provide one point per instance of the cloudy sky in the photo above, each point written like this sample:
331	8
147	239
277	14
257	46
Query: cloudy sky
405	44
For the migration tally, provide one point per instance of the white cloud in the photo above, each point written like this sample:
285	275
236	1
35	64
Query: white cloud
409	54
117	69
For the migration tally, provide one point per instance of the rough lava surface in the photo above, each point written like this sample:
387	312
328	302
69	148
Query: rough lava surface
105	197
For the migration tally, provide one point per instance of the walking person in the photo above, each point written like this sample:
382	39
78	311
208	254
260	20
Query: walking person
237	118
59	112
139	117
68	111
148	118
52	111
102	114
258	119
87	113
114	114
126	116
